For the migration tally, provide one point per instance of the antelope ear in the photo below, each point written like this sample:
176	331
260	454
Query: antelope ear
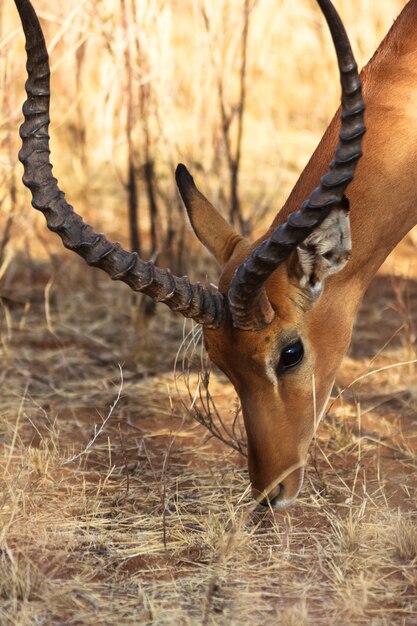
326	251
210	227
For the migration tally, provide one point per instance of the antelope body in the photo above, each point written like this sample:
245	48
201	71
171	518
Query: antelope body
282	318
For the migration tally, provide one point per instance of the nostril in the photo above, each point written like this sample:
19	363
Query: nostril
273	496
280	496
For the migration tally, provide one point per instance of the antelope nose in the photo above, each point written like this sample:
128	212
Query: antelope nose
273	496
283	494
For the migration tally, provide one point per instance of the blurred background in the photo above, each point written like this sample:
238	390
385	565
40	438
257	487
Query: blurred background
239	90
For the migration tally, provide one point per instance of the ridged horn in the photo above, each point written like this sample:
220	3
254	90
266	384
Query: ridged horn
192	300
247	297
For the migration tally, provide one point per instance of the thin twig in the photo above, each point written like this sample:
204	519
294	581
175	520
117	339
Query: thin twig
99	431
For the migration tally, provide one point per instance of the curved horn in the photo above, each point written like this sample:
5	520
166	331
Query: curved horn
248	301
192	300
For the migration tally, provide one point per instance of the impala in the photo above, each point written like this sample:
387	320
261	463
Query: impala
281	320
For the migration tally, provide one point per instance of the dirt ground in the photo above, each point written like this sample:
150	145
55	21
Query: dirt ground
149	520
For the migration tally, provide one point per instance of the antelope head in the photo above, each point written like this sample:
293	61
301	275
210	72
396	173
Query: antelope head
265	326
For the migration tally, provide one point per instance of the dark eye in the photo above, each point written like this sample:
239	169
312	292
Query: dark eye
291	356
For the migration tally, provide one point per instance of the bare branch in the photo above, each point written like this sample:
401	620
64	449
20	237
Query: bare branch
98	430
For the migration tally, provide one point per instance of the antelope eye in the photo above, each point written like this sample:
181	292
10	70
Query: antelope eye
291	356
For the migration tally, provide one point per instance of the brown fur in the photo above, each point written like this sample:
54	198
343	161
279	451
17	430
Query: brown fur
279	412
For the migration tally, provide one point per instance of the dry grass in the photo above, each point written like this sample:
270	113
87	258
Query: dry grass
292	94
154	524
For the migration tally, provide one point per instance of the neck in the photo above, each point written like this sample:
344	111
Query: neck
383	195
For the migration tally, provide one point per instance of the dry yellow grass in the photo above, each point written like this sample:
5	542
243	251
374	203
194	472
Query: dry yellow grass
154	523
293	91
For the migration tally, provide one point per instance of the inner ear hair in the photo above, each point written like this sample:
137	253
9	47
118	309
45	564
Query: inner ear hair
326	251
